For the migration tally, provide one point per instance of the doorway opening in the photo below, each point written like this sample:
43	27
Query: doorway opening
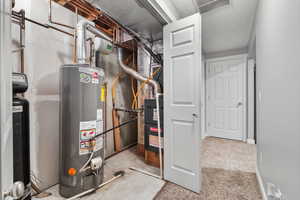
226	97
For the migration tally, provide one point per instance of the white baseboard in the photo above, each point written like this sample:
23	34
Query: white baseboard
250	141
261	185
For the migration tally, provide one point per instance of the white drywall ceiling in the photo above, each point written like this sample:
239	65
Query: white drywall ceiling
223	29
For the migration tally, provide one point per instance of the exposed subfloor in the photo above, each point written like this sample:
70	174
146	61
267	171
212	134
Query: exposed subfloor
228	169
228	173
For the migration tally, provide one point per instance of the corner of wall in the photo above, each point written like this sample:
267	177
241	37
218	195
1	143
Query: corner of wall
261	184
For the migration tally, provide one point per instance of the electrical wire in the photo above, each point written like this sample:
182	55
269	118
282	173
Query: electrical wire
115	127
115	83
143	85
134	104
113	87
82	169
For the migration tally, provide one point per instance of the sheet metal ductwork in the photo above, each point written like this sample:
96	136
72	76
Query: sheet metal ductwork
135	74
81	30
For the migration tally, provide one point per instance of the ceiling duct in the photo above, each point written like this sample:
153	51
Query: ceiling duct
208	5
148	6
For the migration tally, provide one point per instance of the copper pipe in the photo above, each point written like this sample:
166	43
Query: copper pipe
17	50
48	26
75	38
15	15
19	19
15	21
22	41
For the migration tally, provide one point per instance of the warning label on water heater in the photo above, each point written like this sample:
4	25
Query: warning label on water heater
87	143
89	75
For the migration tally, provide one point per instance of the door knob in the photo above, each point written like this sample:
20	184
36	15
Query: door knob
195	115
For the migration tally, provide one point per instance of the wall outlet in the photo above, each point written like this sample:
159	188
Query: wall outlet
259	95
274	192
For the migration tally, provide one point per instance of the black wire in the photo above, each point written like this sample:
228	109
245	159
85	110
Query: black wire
113	128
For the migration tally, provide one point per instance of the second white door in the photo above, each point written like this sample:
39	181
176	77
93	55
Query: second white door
226	96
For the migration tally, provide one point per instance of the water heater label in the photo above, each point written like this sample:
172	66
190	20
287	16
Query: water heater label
99	127
155	116
95	79
99	114
103	93
19	78
99	143
17	109
85	78
89	75
87	132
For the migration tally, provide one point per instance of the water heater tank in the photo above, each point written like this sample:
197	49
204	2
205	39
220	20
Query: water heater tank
81	119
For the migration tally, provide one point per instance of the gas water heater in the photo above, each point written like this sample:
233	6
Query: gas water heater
81	119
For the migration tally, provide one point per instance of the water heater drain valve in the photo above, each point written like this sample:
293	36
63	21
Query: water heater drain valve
96	163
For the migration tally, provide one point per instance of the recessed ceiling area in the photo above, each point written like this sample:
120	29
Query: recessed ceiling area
225	28
228	28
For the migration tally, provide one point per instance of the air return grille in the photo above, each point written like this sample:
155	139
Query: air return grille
208	5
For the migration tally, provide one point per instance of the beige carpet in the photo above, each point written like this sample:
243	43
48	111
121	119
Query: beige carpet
228	173
228	154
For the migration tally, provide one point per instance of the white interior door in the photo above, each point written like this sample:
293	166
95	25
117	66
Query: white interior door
182	87
226	96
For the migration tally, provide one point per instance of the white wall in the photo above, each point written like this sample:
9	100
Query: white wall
6	139
278	92
46	51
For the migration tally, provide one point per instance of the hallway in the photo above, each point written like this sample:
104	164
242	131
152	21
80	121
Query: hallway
228	171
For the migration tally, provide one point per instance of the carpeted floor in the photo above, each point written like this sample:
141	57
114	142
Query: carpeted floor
228	154
228	173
